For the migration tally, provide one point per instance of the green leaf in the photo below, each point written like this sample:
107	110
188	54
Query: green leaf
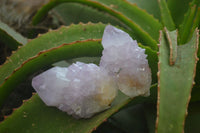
86	48
131	119
142	25
10	37
66	63
35	117
137	116
74	13
48	41
172	41
108	127
151	6
54	46
178	8
18	63
190	22
166	15
175	84
153	62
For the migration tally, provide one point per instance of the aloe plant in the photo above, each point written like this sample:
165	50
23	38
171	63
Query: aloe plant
166	29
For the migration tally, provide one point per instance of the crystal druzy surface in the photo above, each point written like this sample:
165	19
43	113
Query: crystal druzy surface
126	62
80	90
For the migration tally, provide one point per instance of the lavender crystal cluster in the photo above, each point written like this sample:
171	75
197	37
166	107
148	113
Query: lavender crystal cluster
82	89
126	62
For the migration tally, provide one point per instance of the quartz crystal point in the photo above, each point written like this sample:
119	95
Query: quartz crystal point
80	90
126	62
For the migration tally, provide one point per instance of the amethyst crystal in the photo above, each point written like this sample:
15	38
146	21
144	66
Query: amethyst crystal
126	62
80	90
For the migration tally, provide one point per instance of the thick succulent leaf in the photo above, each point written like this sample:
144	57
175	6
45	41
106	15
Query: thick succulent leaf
137	116
143	25
16	62
46	58
75	13
29	59
196	22
190	22
172	41
66	63
166	15
108	127
175	84
151	6
10	37
35	117
178	8
191	123
131	119
153	62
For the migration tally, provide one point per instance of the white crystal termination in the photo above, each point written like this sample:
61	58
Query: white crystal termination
81	90
126	62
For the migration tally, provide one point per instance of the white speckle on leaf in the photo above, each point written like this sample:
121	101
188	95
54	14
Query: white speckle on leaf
126	62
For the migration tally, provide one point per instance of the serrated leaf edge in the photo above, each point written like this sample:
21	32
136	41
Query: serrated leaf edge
158	74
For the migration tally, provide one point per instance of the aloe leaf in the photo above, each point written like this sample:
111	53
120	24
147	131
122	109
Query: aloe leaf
35	116
10	37
178	8
134	118
46	58
175	84
166	15
196	22
190	22
66	63
131	119
15	63
41	52
75	13
151	6
172	41
143	25
50	40
153	62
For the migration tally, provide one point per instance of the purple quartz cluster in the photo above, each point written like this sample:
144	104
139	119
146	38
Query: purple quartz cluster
80	90
83	89
126	62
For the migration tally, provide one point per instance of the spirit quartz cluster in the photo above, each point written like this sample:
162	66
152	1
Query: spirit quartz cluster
126	62
82	89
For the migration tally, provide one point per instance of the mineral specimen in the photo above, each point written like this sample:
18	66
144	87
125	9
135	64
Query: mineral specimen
81	90
126	62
